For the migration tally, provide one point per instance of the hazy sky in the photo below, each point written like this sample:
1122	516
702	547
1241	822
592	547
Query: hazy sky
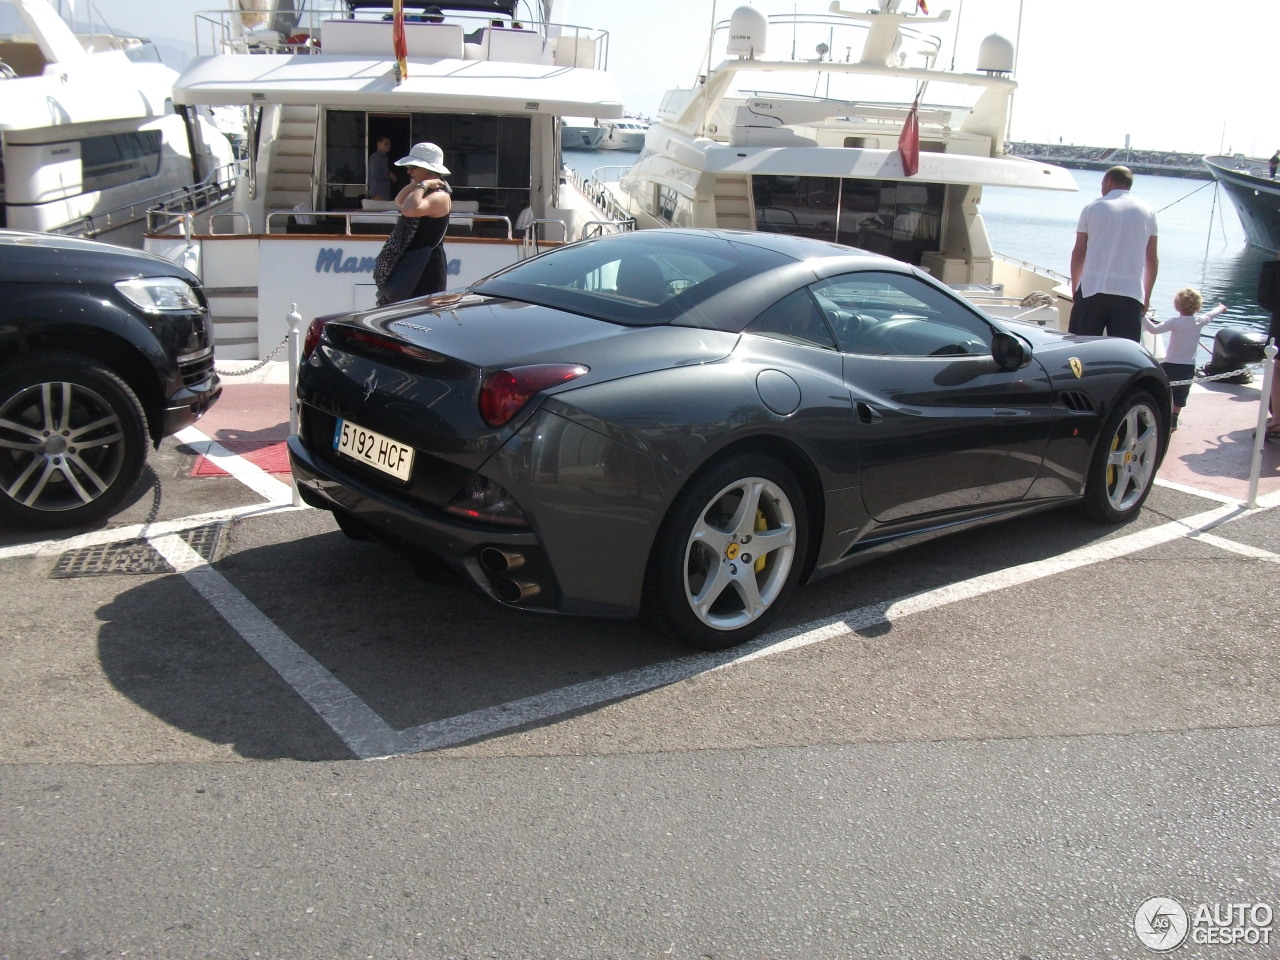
1171	76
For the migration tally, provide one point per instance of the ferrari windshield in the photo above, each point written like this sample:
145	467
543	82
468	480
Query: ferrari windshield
642	278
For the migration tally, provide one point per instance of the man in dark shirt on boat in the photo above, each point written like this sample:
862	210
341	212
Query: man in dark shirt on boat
381	179
1114	262
1273	163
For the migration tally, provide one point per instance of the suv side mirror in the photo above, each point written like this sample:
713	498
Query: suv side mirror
1008	351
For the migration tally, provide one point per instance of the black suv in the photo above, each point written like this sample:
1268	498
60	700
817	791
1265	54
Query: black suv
102	350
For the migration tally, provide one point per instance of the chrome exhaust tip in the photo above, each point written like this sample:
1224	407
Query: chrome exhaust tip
497	561
515	591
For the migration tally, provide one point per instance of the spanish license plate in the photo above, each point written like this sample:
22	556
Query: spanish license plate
373	449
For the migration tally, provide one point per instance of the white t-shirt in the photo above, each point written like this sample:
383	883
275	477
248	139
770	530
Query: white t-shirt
1184	335
1118	226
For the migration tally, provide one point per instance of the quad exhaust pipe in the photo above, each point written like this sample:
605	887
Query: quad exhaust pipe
497	561
515	591
498	564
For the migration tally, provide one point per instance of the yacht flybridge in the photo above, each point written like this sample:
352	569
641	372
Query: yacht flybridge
89	138
799	129
322	85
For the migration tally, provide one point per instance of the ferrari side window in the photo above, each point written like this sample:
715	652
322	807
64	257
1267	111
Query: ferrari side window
795	318
897	315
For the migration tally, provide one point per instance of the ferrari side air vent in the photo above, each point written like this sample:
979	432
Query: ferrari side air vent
1077	401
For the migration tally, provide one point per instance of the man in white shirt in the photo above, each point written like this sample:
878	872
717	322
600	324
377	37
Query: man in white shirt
1114	262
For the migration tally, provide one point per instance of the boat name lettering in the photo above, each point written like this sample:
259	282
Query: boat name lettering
332	260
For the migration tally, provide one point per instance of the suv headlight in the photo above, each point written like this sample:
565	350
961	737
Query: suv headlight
160	294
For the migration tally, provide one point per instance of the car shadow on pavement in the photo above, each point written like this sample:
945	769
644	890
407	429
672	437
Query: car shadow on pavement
412	651
416	653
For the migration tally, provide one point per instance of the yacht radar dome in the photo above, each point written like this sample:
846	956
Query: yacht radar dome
747	29
995	56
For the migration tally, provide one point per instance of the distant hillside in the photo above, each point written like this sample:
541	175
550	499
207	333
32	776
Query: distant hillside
1160	163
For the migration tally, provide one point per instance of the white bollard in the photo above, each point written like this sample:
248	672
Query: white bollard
1259	436
295	358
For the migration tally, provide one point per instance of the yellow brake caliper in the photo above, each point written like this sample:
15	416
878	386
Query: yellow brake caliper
760	525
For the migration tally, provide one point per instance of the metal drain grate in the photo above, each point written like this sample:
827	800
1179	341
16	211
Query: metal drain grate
133	556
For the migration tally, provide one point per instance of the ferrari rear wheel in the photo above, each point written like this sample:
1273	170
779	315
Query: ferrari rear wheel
1124	464
729	553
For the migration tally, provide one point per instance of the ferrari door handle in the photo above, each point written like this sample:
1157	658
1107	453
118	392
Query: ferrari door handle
868	413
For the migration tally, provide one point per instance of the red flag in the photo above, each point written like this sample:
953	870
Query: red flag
909	140
398	43
922	7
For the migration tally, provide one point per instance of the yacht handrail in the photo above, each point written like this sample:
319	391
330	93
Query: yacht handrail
838	25
1035	268
226	30
530	245
214	188
278	220
232	214
595	191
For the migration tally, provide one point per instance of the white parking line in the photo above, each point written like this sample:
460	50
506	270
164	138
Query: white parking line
363	731
137	531
250	474
369	737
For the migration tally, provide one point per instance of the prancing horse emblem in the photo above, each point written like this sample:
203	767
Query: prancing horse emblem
371	384
1076	367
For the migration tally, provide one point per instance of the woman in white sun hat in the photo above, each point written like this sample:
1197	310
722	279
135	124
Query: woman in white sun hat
412	262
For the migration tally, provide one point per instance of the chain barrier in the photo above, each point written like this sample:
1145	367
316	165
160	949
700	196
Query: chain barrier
1244	370
257	366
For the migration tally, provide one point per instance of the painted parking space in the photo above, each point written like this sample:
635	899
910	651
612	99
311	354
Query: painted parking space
361	723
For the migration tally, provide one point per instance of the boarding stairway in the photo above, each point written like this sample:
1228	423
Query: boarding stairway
293	163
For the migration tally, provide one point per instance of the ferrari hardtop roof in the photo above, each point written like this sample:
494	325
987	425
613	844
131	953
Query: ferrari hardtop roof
784	244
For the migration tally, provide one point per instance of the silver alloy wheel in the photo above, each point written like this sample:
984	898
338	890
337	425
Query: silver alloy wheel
1133	457
739	553
63	444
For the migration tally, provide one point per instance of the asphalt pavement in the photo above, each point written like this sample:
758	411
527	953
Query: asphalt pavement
228	731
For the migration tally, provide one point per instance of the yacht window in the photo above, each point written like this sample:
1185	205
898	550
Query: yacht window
667	198
900	220
487	156
119	158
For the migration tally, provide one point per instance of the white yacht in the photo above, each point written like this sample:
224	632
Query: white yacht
580	133
625	133
797	129
323	84
89	138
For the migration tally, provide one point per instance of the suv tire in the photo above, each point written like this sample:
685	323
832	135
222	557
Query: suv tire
73	441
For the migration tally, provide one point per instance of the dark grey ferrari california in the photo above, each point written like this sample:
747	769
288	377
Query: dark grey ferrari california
683	425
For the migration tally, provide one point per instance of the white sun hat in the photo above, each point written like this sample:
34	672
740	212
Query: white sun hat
425	155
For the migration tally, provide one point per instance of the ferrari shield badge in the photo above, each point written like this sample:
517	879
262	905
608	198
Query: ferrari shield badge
1076	367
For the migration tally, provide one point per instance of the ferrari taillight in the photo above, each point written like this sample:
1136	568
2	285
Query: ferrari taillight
315	330
504	393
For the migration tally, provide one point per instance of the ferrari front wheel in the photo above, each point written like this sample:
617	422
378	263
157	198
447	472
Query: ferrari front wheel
729	553
1124	463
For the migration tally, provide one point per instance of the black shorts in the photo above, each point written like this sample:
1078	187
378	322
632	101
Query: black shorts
1179	373
1106	313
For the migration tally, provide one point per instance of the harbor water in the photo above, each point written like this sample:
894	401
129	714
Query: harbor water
1201	242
